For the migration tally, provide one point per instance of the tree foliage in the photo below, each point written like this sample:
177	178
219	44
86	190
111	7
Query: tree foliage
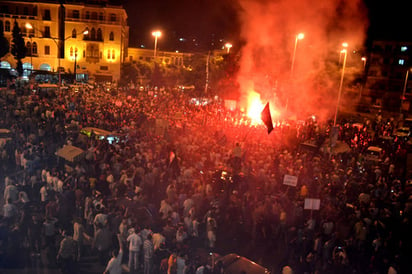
4	43
18	48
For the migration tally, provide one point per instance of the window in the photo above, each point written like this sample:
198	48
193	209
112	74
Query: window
87	14
113	17
104	68
94	15
99	35
47	15
84	53
26	11
47	32
7	26
111	36
28	48
113	54
75	14
101	17
388	48
401	62
404	48
74	33
34	48
93	34
108	54
71	52
46	50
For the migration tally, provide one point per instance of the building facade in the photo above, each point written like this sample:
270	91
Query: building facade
386	81
89	40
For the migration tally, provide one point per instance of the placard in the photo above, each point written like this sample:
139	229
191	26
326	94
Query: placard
290	180
312	204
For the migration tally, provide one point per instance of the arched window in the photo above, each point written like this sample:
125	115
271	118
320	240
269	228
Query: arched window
93	34
74	33
28	48
86	36
71	52
7	26
111	36
34	48
113	55
99	35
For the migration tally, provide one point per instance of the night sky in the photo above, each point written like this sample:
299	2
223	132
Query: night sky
211	20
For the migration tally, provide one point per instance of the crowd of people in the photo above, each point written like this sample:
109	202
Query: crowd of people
182	178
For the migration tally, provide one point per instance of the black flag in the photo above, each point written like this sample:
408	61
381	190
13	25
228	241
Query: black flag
266	118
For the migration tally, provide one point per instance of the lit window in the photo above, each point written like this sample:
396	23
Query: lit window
108	54
404	48
113	54
71	52
401	62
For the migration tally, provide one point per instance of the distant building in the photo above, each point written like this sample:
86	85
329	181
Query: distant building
162	57
58	39
386	74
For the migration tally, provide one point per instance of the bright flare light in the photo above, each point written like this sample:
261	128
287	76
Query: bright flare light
255	107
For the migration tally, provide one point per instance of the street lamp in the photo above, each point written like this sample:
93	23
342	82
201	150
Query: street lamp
30	27
364	62
58	42
404	89
156	34
298	37
345	52
228	46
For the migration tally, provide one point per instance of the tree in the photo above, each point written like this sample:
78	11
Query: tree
4	43
18	48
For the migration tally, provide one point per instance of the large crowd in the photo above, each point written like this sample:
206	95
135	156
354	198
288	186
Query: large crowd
183	177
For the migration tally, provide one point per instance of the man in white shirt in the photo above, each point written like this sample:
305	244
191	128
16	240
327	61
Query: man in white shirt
135	243
114	266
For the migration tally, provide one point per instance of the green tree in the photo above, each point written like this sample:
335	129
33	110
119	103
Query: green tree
18	47
4	43
129	74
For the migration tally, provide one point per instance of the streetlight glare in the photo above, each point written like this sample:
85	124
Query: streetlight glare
301	36
345	45
157	33
28	26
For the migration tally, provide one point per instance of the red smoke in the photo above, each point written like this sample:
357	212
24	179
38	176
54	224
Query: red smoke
269	29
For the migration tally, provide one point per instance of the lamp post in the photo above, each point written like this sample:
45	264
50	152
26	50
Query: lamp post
58	44
345	52
299	36
75	65
31	54
156	34
405	84
228	46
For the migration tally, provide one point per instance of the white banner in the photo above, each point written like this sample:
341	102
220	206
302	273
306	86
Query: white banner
290	180
312	204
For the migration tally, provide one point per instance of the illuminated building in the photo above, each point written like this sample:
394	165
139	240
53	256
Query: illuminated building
57	39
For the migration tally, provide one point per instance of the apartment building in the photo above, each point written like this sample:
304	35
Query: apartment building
387	80
85	38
